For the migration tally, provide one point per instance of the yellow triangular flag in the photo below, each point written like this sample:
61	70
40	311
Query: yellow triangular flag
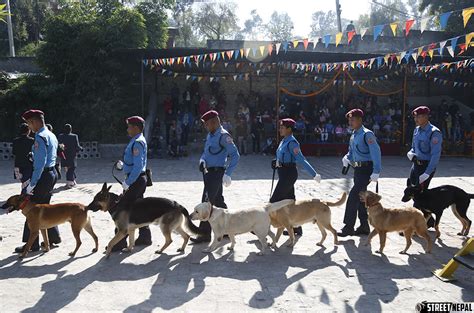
466	15
386	58
353	64
399	57
295	44
338	38
262	48
247	50
393	26
468	39
420	50
430	52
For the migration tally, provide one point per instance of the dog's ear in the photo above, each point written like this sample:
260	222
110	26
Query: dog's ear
104	187
108	189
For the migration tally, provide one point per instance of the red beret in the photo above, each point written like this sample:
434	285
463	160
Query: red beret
208	115
421	110
31	113
355	113
135	120
288	122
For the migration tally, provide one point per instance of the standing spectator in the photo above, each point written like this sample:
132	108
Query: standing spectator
186	122
168	104
71	147
21	150
256	128
324	133
241	132
449	125
187	100
169	118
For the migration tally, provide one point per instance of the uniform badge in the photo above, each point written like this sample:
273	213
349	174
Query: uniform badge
229	139
36	145
370	141
435	140
296	151
136	152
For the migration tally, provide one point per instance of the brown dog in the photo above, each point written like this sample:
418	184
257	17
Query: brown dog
302	212
408	220
44	216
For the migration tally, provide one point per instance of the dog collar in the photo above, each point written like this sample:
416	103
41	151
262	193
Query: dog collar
210	213
24	203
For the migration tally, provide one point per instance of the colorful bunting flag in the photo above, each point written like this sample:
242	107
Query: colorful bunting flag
441	46
408	25
277	46
377	31
326	40
450	50
443	19
262	49
338	38
469	38
270	49
424	23
350	35
362	32
393	26
295	44
466	15
305	44
430	52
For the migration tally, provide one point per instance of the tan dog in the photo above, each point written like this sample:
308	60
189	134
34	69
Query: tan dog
44	216
302	212
408	220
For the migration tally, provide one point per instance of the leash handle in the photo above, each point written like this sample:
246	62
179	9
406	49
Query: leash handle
345	169
113	174
273	180
377	187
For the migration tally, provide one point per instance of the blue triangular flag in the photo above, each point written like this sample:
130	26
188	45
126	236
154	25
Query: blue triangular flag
285	46
377	31
379	61
326	40
236	54
454	42
443	19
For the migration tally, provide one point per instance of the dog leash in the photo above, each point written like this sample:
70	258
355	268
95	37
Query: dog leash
273	180
113	174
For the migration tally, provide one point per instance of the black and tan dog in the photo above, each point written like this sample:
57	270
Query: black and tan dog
436	200
44	216
168	214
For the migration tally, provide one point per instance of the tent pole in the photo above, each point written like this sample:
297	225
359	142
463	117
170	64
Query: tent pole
277	102
404	111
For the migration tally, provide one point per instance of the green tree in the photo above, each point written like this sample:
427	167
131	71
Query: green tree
253	26
455	22
3	13
280	27
216	21
156	21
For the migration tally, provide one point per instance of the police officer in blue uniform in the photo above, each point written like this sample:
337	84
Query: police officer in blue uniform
288	155
44	175
425	151
365	157
134	167
217	163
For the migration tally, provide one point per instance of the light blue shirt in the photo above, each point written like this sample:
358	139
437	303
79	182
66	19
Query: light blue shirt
426	144
289	151
220	149
44	150
363	147
135	158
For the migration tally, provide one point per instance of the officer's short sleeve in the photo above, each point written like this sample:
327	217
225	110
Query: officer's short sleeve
374	149
232	152
40	158
436	143
295	150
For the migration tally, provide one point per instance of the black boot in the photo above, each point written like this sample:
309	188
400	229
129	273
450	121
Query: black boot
34	248
201	239
122	244
144	237
297	230
346	231
362	230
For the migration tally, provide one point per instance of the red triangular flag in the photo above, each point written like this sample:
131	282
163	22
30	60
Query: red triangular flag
305	43
350	35
408	25
270	49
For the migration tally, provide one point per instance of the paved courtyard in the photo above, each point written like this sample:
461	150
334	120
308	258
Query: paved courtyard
345	278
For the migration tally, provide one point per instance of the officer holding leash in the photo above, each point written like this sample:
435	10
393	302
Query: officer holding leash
288	155
44	177
425	151
22	150
134	166
219	150
365	157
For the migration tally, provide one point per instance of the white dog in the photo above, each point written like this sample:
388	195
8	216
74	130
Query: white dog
232	223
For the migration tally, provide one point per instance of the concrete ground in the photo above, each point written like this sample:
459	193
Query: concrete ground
348	277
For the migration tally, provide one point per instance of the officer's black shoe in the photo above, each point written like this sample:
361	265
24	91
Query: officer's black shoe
201	239
431	222
297	230
362	230
346	232
122	244
142	241
20	249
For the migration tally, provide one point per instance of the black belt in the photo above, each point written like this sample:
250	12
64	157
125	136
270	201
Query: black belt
421	162
48	169
215	169
362	164
288	165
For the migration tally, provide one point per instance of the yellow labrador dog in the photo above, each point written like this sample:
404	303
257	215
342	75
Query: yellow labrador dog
234	222
302	212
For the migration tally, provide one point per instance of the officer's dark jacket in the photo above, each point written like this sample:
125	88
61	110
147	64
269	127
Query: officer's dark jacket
21	150
71	148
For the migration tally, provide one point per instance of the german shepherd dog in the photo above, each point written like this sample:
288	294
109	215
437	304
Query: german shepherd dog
169	215
44	216
436	200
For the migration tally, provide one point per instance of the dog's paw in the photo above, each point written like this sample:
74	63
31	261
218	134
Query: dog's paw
273	245
94	250
230	248
320	244
180	250
403	252
461	234
379	252
127	250
158	252
260	253
290	245
71	253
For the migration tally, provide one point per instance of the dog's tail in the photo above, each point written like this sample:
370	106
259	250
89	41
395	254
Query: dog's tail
338	203
278	205
189	223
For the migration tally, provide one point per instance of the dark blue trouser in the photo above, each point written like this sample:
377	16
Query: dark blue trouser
26	173
354	207
134	192
71	173
212	193
42	195
285	188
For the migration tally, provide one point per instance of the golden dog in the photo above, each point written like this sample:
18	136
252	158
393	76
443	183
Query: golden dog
408	220
44	216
